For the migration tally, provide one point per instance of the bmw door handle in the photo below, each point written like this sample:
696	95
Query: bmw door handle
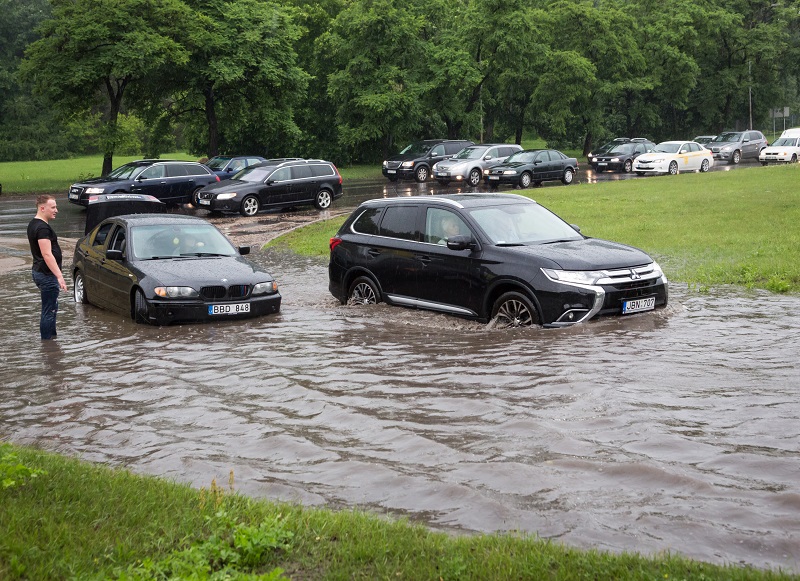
423	258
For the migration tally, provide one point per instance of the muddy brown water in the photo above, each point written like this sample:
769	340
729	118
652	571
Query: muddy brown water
674	431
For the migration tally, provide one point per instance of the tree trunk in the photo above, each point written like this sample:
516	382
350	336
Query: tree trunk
115	104
211	119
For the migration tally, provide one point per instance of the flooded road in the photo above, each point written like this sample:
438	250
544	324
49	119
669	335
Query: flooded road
671	431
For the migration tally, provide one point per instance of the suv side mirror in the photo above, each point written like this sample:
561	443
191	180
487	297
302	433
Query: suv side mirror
244	250
112	254
460	243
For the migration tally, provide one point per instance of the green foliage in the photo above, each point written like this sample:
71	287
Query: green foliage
13	472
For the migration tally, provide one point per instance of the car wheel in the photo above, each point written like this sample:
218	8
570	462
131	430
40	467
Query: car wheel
736	157
525	180
475	177
513	309
140	308
79	290
323	200
794	158
421	175
673	168
443	182
363	292
566	179
628	166
704	166
250	206
195	197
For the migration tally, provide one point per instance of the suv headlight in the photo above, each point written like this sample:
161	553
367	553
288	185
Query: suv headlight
589	277
265	288
176	292
408	164
726	148
94	190
385	163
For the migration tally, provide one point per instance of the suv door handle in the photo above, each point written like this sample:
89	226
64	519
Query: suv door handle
423	258
374	252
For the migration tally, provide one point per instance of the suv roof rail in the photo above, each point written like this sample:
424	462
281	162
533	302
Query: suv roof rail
642	139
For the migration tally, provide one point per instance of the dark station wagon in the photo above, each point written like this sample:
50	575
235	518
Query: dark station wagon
491	257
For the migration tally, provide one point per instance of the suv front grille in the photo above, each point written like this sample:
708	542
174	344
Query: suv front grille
393	164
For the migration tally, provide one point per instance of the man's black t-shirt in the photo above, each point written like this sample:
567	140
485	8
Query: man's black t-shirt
38	229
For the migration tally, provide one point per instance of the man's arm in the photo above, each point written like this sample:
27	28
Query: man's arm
46	248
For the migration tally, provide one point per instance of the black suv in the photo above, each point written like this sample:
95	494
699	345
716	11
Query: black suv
275	183
172	182
416	160
491	257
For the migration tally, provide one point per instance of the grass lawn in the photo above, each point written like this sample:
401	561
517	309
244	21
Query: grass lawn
77	520
738	227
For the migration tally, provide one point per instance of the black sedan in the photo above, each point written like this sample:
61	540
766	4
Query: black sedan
532	166
620	157
491	257
162	269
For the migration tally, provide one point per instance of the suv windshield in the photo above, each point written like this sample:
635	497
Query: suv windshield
418	148
471	153
728	137
217	162
125	172
523	223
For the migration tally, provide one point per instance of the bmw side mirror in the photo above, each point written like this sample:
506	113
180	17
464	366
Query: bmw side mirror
114	254
460	243
244	250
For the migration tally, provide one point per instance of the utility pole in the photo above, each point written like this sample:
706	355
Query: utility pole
750	89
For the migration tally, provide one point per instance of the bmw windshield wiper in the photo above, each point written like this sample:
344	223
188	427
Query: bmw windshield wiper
561	240
510	244
203	254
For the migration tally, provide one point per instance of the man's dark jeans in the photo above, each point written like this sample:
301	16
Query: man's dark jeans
48	284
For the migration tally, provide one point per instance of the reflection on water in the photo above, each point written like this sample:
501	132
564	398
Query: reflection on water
670	431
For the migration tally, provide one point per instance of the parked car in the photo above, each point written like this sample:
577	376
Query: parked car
226	166
620	157
785	149
164	268
704	140
416	160
275	183
606	147
468	164
532	166
490	257
674	156
734	146
172	182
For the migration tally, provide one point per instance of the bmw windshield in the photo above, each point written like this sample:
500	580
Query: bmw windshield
160	241
522	224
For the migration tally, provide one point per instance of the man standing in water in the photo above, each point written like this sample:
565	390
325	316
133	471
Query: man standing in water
46	262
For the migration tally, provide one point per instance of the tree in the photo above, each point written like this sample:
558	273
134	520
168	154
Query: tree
91	51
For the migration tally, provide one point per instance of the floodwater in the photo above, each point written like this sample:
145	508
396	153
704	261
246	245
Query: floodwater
675	431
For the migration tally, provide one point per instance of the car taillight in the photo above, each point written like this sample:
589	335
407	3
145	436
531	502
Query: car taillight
340	180
335	241
216	176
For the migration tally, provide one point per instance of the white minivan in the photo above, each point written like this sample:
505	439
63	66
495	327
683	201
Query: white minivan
785	149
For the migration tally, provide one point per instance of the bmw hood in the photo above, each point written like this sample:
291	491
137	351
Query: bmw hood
587	254
199	271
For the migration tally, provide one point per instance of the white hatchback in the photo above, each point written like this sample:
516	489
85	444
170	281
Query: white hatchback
785	149
674	156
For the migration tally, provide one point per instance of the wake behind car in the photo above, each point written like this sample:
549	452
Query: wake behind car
173	182
532	166
491	257
163	269
670	157
275	183
468	164
416	160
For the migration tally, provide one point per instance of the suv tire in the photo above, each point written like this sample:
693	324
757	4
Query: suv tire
323	199
513	309
363	292
421	174
736	157
474	177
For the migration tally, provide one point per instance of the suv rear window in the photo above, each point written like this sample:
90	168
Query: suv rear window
194	169
176	170
321	170
300	172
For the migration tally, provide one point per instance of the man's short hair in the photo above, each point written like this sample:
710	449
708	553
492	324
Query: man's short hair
43	199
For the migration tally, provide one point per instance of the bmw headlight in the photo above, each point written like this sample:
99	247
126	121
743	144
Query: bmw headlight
510	172
574	276
408	164
94	190
265	288
176	292
226	196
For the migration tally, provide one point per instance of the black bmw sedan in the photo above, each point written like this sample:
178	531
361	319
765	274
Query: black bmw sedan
532	166
162	269
491	257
